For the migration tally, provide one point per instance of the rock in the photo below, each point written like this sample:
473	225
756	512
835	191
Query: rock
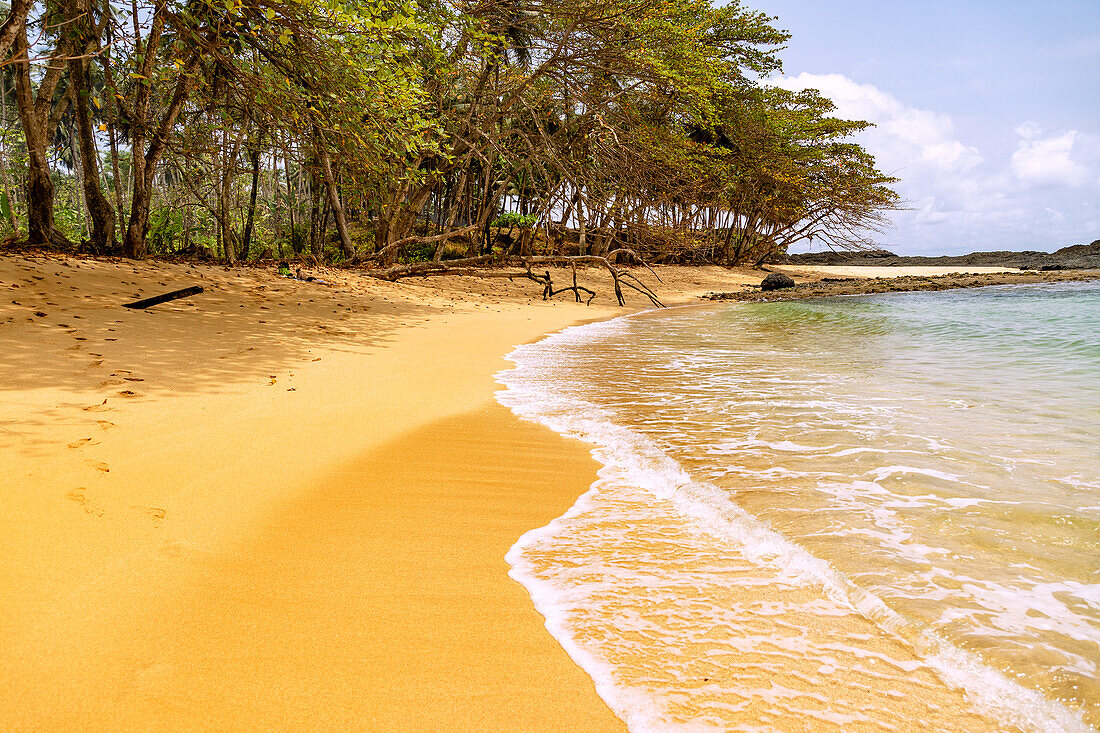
1078	250
776	281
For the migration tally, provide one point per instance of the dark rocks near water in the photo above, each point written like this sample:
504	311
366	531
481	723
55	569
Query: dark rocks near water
776	281
1075	257
828	287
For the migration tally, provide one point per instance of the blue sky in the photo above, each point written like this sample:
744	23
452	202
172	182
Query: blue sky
988	111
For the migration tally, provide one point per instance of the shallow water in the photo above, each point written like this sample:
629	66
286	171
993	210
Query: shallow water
868	513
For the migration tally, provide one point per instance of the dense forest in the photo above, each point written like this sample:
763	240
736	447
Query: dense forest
385	131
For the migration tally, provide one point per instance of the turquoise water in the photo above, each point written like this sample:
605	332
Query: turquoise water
846	513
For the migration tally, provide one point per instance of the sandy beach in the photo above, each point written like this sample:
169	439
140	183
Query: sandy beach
275	504
279	504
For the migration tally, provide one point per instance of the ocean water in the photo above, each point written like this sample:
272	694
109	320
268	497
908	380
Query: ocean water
860	513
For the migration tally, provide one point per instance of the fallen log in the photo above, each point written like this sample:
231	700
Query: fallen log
158	299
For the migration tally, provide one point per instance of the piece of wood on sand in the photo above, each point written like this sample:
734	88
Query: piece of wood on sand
158	299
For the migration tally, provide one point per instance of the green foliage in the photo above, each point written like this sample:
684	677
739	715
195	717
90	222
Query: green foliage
646	119
298	238
418	252
513	219
70	222
165	229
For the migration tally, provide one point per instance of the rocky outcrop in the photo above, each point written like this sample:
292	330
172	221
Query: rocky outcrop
776	281
832	286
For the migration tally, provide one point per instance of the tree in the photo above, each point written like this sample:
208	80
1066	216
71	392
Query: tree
603	125
14	24
85	41
40	114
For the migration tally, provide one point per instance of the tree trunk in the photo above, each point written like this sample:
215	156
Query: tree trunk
582	227
8	193
77	169
334	203
225	229
452	211
228	173
381	233
135	246
246	242
14	25
316	239
40	189
144	165
291	195
116	182
102	214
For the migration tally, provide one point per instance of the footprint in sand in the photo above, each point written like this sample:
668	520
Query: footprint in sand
154	513
99	466
101	407
89	505
79	443
105	424
178	550
128	393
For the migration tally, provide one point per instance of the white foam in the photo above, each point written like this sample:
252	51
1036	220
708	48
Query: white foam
888	471
532	393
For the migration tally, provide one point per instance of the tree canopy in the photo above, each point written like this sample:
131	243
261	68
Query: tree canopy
384	130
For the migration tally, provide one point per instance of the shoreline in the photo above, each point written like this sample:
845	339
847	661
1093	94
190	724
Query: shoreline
962	691
280	503
281	517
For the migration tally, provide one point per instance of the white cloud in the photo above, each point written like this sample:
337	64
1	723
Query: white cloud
1028	130
1042	195
1047	161
904	135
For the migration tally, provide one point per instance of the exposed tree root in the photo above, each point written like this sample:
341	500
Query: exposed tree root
474	267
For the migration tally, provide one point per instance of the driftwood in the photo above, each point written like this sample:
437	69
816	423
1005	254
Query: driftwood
158	299
618	277
472	266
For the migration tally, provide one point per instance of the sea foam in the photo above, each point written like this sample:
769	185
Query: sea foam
634	464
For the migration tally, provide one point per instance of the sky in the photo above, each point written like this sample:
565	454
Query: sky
989	112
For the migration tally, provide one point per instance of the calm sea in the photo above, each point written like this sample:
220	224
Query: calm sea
862	513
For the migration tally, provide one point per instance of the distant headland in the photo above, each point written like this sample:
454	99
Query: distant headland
1075	257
